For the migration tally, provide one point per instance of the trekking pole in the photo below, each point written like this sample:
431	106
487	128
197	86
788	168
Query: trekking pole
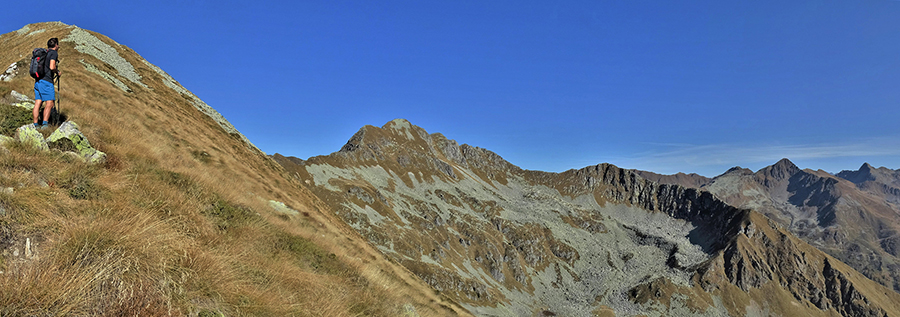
58	98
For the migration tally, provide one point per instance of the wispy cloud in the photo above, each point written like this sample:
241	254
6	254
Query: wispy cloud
710	159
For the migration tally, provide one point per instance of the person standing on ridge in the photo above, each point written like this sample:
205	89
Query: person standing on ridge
43	87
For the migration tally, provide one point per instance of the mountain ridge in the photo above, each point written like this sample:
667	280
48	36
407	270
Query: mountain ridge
826	210
404	184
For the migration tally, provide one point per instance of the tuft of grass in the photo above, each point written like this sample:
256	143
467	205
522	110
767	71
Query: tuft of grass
209	313
12	117
228	216
79	183
179	181
201	156
309	254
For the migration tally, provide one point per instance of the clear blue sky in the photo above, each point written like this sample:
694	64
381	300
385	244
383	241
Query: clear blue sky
665	86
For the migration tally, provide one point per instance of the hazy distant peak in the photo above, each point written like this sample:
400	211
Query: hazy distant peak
866	167
781	170
738	170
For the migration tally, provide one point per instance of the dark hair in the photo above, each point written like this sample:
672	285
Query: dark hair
52	42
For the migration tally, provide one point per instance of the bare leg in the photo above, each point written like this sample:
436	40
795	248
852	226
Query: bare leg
47	110
37	109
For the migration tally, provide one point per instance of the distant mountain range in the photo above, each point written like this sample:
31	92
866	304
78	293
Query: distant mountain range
503	241
853	216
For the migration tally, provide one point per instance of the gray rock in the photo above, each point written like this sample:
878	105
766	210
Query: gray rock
68	137
20	100
10	72
28	135
282	208
19	97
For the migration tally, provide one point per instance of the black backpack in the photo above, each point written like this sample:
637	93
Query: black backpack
38	61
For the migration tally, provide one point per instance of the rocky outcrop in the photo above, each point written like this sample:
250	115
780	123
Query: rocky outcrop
10	72
17	99
68	138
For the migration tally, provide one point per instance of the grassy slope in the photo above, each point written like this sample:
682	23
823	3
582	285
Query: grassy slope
177	221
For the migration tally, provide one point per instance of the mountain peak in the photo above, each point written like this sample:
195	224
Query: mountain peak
394	132
782	170
738	170
785	163
864	174
866	167
397	124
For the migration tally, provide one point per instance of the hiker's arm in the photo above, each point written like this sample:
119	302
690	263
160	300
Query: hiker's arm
53	67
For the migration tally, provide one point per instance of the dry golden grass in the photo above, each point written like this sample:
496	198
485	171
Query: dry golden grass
177	221
147	241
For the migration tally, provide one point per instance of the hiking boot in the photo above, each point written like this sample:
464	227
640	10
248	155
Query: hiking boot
44	126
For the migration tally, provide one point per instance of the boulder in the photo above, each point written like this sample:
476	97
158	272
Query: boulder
21	100
68	138
28	135
19	97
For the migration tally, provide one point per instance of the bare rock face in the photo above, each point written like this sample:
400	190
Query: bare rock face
505	241
851	216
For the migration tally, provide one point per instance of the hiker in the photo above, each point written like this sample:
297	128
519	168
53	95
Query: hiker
43	86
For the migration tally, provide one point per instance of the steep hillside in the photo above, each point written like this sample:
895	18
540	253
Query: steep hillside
185	217
601	240
856	221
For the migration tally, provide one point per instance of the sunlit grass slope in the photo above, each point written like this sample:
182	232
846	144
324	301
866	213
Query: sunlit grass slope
180	220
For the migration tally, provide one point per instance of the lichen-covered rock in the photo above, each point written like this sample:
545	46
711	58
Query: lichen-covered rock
68	138
21	100
28	135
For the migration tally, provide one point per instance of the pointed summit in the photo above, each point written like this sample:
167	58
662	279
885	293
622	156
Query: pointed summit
866	167
865	173
782	170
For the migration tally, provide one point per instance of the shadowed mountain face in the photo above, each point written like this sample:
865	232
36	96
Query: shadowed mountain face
881	182
853	216
505	241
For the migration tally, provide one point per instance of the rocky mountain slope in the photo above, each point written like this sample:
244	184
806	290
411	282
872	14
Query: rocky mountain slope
882	182
184	218
853	216
601	240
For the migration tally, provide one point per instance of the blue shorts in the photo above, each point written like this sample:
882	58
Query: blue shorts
43	90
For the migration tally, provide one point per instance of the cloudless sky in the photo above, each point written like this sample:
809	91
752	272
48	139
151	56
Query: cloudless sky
664	86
